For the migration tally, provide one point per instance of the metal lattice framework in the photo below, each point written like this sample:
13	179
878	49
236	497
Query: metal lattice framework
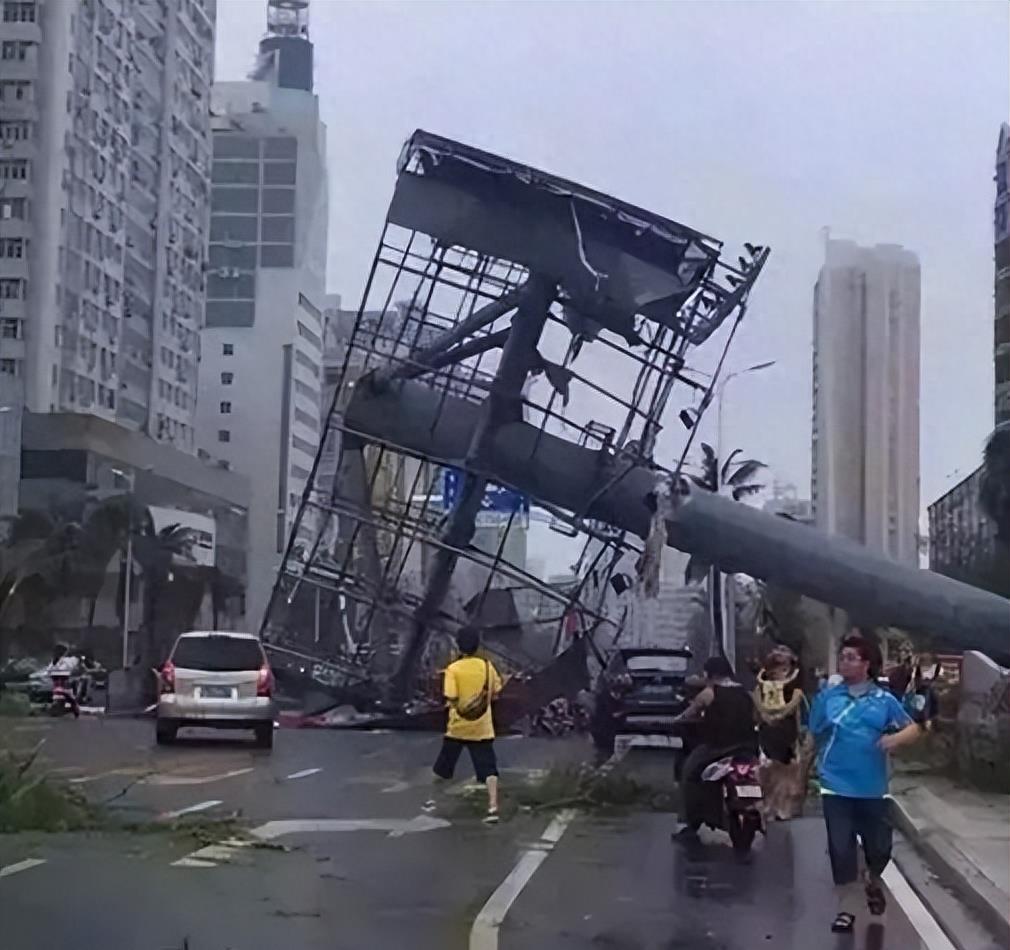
515	297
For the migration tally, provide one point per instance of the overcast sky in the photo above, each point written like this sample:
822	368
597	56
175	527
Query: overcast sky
751	121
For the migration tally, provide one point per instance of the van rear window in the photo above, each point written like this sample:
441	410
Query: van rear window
218	654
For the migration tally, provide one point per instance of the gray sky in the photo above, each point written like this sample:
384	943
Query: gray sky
752	121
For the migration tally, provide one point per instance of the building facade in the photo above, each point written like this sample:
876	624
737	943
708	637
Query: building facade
865	441
1001	239
261	380
104	187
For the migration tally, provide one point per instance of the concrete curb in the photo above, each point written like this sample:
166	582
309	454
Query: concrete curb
973	888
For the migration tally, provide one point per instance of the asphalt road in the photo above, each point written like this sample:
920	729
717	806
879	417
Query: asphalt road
350	860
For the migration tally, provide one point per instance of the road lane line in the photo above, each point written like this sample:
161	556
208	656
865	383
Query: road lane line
25	865
922	920
194	780
189	809
304	773
484	934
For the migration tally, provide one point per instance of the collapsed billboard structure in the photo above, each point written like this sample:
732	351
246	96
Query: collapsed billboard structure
526	335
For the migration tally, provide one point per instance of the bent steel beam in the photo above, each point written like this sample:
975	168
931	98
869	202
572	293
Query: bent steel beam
422	421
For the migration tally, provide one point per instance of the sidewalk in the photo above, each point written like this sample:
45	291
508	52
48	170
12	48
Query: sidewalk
965	835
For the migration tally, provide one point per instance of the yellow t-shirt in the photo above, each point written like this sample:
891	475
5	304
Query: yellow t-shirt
464	680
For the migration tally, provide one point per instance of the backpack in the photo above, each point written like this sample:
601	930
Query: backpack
474	708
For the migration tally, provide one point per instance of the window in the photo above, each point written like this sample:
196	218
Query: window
244	200
277	230
15	90
12	288
227	349
279	173
218	653
306	419
225	408
303	389
298	472
224	435
302	360
23	12
14	169
236	173
277	255
235	146
15	131
12	247
306	334
286	147
278	200
227	379
10	367
14	49
303	446
230	313
10	329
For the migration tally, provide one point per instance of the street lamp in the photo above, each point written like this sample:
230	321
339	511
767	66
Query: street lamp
719	401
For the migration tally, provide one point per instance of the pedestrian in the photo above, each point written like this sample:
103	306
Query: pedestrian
900	677
779	701
855	725
726	711
920	697
470	686
608	714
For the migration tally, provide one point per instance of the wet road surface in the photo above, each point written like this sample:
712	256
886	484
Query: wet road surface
361	865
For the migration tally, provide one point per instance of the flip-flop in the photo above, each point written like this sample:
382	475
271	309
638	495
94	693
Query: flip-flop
876	899
843	923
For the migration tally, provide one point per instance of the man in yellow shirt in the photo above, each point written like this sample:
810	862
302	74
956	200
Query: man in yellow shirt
471	685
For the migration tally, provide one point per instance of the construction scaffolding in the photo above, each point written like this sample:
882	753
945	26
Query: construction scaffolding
501	295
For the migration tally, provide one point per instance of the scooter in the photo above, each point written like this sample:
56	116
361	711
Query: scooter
64	699
741	797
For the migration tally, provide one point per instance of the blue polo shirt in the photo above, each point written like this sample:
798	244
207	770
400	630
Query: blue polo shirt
847	730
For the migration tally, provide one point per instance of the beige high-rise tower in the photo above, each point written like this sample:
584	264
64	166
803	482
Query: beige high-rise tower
865	451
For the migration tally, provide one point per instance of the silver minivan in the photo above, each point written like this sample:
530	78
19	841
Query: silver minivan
216	680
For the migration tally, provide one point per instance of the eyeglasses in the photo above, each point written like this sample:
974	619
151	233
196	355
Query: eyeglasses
850	657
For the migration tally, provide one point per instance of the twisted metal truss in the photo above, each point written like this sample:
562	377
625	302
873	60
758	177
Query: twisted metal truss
441	314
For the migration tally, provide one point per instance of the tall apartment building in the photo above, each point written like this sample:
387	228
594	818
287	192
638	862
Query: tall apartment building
865	452
262	344
1001	239
104	186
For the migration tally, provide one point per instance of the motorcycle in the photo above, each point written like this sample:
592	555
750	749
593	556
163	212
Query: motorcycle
742	796
64	698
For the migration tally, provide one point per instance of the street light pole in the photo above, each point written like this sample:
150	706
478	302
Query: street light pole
131	479
717	581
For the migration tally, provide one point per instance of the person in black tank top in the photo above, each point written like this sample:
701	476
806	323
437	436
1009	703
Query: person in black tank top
726	711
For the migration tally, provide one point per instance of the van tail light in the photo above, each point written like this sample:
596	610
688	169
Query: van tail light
168	677
265	681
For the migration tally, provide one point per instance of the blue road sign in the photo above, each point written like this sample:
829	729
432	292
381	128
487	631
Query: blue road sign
497	499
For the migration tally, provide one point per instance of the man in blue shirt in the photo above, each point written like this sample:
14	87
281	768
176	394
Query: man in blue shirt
855	724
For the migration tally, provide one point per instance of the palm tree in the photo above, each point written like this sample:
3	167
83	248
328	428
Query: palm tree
733	478
994	492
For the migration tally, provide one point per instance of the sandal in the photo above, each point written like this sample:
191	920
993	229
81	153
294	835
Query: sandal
876	900
843	923
491	818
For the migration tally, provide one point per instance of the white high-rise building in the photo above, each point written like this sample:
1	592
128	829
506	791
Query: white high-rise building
865	452
259	407
104	187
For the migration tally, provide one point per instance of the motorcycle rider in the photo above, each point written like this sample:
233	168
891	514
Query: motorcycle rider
727	725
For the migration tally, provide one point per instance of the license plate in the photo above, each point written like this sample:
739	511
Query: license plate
748	791
215	692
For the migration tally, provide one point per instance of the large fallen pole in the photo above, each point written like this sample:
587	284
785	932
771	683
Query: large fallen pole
599	485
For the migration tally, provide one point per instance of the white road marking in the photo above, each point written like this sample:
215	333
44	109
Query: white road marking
395	788
922	920
189	809
193	780
304	773
484	933
85	779
213	854
394	827
25	865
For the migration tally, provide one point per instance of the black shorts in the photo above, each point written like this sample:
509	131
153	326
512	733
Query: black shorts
481	754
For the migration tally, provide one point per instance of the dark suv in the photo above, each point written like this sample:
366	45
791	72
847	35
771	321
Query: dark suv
658	689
